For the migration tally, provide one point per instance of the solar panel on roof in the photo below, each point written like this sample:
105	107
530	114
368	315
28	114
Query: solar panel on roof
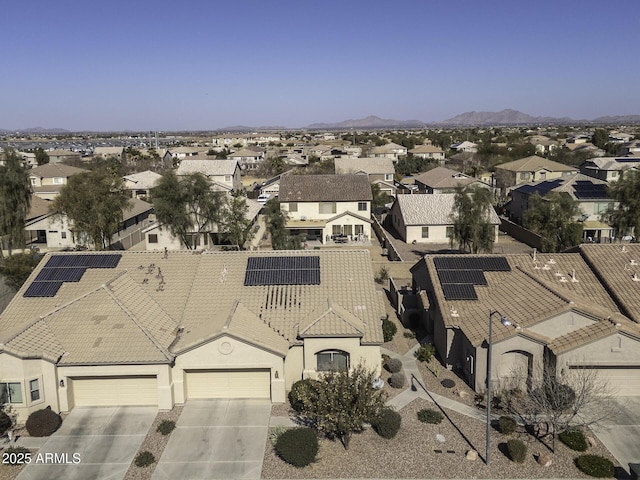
457	291
42	289
473	277
61	274
292	270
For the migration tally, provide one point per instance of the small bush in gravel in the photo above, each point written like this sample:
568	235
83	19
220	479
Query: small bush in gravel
276	432
385	359
166	427
14	455
517	450
387	423
409	335
574	439
448	383
506	425
430	416
302	391
397	380
389	329
595	466
43	423
144	459
425	352
298	446
394	365
5	422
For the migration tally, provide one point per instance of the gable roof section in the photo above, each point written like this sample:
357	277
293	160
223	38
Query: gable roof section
441	177
533	163
325	188
143	180
372	166
431	209
421	149
578	186
209	167
331	320
51	170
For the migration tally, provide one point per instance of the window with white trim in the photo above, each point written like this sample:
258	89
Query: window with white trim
362	206
57	180
425	232
327	207
11	392
329	360
34	389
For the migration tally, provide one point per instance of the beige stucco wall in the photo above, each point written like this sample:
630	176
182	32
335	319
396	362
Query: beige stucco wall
366	355
311	210
561	324
54	228
615	350
228	352
437	234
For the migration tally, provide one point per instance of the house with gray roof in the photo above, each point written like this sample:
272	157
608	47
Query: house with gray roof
428	218
529	169
327	208
140	184
140	328
380	171
225	174
609	168
444	180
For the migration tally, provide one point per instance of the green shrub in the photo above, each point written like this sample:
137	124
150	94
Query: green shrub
506	425
430	416
409	335
18	457
574	439
276	432
385	359
303	392
298	446
517	450
394	365
387	424
166	427
397	380
5	422
425	352
144	459
595	466
43	423
389	329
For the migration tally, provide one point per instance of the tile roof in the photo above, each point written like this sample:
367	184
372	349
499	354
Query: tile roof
38	208
441	177
143	180
325	188
374	165
131	313
210	167
580	187
423	209
51	170
421	149
535	162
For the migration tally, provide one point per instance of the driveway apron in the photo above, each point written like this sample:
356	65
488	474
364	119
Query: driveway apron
620	431
217	439
93	443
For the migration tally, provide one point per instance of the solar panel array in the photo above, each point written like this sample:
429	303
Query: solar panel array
459	275
67	268
586	189
282	271
541	188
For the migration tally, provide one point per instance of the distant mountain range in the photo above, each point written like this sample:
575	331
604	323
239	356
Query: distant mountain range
468	119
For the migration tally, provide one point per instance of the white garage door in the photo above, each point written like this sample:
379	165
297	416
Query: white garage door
229	383
622	381
109	391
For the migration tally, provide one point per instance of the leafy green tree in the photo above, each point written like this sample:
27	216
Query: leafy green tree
625	217
552	217
380	198
42	157
277	228
15	200
16	268
187	205
341	402
600	138
236	227
471	215
94	203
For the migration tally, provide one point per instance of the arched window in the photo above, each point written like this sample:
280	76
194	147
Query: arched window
332	360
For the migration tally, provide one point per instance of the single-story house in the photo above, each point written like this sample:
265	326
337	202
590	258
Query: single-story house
444	180
428	218
161	328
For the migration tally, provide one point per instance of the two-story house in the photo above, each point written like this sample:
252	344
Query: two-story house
389	150
428	151
247	158
529	169
328	207
47	180
609	168
225	174
444	180
380	171
140	184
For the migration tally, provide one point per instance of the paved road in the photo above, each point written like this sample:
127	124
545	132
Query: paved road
217	439
103	439
620	431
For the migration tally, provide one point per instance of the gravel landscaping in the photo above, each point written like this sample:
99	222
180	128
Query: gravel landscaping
412	453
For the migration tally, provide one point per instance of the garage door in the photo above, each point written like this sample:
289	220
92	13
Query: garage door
229	383
108	391
622	381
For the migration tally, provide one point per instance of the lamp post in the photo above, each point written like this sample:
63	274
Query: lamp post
506	322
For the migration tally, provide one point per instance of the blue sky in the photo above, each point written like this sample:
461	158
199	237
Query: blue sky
200	65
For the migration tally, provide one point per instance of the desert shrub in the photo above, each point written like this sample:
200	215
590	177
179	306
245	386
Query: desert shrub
302	391
517	450
5	422
144	459
298	446
382	275
166	427
430	416
595	466
387	423
17	457
409	335
43	423
574	439
448	383
397	380
394	365
385	359
425	352
276	432
506	425
389	329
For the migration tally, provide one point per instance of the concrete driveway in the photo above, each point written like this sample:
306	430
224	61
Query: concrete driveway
105	440
217	439
620	431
